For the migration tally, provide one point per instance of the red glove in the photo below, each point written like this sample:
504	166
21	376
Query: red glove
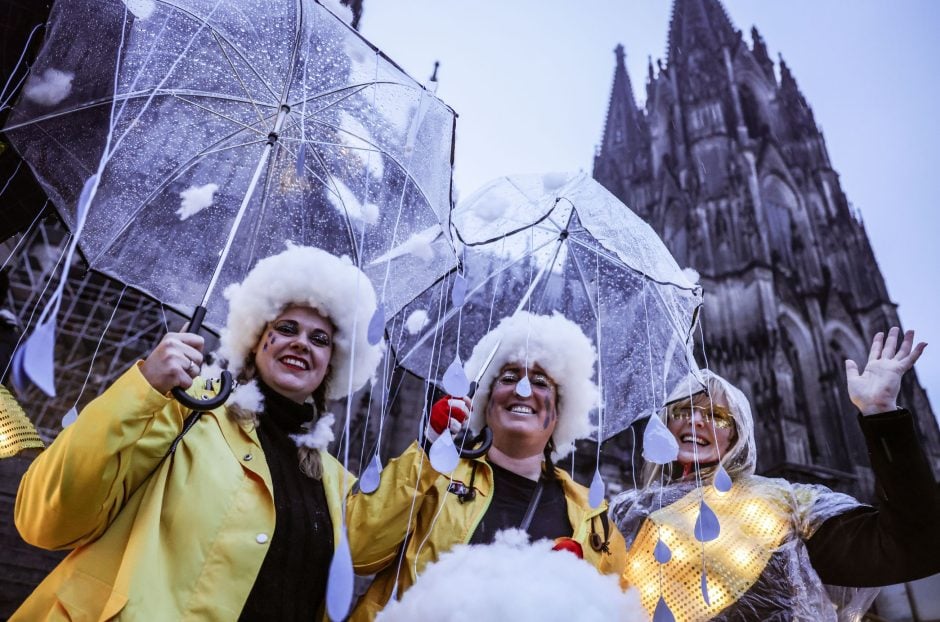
570	545
449	412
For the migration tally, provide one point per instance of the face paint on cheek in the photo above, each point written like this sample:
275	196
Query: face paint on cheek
550	414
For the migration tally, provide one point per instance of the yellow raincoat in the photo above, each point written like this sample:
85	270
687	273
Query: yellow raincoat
175	539
408	504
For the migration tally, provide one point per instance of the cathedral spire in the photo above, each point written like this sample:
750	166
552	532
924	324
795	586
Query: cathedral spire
759	50
623	128
698	25
802	123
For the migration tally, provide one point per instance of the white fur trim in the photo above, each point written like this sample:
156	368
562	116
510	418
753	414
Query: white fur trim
513	580
248	397
320	436
303	275
562	349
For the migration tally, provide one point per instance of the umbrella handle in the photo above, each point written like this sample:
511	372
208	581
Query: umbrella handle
484	439
225	389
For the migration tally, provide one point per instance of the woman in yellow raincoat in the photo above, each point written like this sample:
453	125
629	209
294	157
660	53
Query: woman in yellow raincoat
231	514
776	544
417	513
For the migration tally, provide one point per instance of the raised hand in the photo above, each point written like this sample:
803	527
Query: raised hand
876	389
174	362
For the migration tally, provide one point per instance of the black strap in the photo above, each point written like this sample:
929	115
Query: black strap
189	423
533	503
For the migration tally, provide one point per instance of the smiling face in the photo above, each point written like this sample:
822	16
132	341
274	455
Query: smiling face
522	425
293	355
704	429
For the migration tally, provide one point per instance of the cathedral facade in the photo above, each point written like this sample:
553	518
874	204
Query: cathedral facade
727	164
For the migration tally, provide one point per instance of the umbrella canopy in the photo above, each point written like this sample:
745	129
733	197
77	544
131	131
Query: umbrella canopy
189	110
561	243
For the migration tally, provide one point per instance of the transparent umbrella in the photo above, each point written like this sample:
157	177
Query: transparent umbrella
182	140
560	243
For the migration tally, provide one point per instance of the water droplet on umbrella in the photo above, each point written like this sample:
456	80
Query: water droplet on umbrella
596	492
459	291
663	613
706	525
705	589
376	326
371	477
524	387
659	444
443	454
661	552
69	417
339	585
455	379
722	480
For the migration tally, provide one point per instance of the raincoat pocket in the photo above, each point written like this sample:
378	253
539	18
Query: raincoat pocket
86	598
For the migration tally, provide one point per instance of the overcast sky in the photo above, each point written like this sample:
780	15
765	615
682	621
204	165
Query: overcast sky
530	80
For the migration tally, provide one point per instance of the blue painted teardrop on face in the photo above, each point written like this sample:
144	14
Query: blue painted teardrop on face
661	552
706	525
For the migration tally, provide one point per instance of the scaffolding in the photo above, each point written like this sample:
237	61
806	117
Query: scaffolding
102	325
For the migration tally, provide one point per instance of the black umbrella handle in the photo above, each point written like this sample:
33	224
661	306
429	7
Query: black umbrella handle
187	400
470	449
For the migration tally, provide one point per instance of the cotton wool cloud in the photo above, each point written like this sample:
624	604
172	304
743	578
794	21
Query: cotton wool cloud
50	87
195	199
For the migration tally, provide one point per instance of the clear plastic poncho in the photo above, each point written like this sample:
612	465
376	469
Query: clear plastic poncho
758	567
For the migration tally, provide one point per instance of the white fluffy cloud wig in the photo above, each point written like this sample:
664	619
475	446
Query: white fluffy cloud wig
559	347
304	275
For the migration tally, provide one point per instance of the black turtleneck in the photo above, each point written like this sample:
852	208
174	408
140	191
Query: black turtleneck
292	582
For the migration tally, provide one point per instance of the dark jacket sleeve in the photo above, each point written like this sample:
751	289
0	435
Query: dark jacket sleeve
900	539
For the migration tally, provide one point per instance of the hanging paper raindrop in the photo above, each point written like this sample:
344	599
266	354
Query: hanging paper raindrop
459	292
706	525
38	356
369	481
705	589
339	585
659	444
661	552
722	481
455	380
663	613
376	326
596	492
443	453
69	417
524	387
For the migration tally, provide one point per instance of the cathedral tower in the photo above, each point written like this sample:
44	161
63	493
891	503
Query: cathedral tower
727	163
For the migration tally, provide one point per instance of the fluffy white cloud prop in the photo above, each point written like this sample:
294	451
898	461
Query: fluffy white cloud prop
50	88
142	9
195	199
560	347
339	10
416	321
303	275
513	581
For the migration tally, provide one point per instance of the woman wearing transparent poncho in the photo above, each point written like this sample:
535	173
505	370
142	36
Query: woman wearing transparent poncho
777	544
